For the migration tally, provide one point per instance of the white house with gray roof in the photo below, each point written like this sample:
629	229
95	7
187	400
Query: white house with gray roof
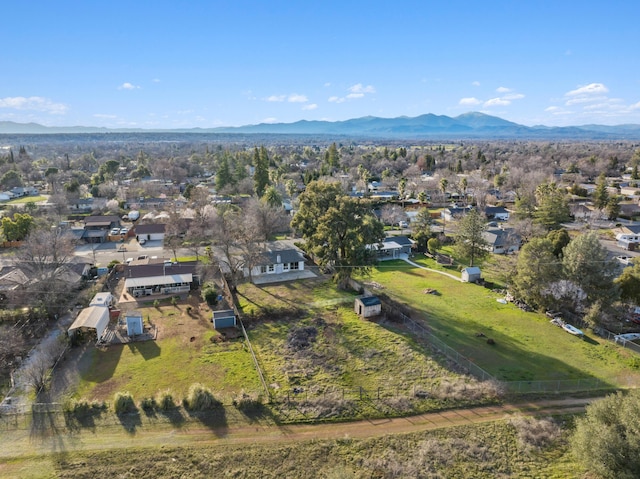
279	261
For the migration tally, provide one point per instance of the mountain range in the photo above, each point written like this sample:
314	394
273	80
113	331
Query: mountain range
468	125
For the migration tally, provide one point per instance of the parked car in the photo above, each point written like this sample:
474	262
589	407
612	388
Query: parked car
115	231
142	241
124	231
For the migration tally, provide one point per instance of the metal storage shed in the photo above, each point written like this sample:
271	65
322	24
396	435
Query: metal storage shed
471	274
93	317
134	323
225	318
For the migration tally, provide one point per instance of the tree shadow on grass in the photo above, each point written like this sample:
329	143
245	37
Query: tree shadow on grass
147	349
214	419
130	421
174	416
257	413
82	419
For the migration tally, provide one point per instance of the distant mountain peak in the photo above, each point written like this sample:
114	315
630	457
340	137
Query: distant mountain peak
472	125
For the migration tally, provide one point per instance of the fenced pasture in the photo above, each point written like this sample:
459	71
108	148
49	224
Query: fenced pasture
525	346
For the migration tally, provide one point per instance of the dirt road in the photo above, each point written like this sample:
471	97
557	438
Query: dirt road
23	442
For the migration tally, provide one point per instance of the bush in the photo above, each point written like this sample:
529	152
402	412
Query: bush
247	402
200	398
534	433
148	404
123	403
210	294
165	401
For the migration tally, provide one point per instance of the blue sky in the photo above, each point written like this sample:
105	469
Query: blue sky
173	64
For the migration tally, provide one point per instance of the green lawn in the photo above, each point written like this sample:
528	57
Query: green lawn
527	346
183	354
26	199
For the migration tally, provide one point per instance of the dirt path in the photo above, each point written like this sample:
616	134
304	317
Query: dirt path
23	443
457	278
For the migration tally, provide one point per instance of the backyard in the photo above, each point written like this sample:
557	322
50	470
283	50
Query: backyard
187	350
527	347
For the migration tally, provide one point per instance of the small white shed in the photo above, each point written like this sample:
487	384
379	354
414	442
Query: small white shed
471	274
134	323
102	299
368	306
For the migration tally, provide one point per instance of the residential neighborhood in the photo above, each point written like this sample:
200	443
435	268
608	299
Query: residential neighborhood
153	264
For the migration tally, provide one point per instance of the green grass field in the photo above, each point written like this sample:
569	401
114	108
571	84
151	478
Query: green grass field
186	352
26	199
527	346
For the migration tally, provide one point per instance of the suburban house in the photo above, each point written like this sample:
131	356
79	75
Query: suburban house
22	191
368	306
502	240
224	318
393	247
96	228
11	278
91	319
628	236
161	277
150	232
471	274
630	191
277	261
451	213
498	213
581	211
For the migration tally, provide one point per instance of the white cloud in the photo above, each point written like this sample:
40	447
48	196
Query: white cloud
269	120
327	84
360	88
105	116
513	96
295	98
584	99
276	98
336	99
128	86
635	106
503	89
590	89
475	83
552	108
469	101
36	103
353	96
497	102
311	106
156	80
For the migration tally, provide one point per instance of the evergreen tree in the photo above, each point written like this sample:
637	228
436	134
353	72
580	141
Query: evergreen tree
601	194
261	173
470	242
553	208
585	262
421	227
537	267
223	175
